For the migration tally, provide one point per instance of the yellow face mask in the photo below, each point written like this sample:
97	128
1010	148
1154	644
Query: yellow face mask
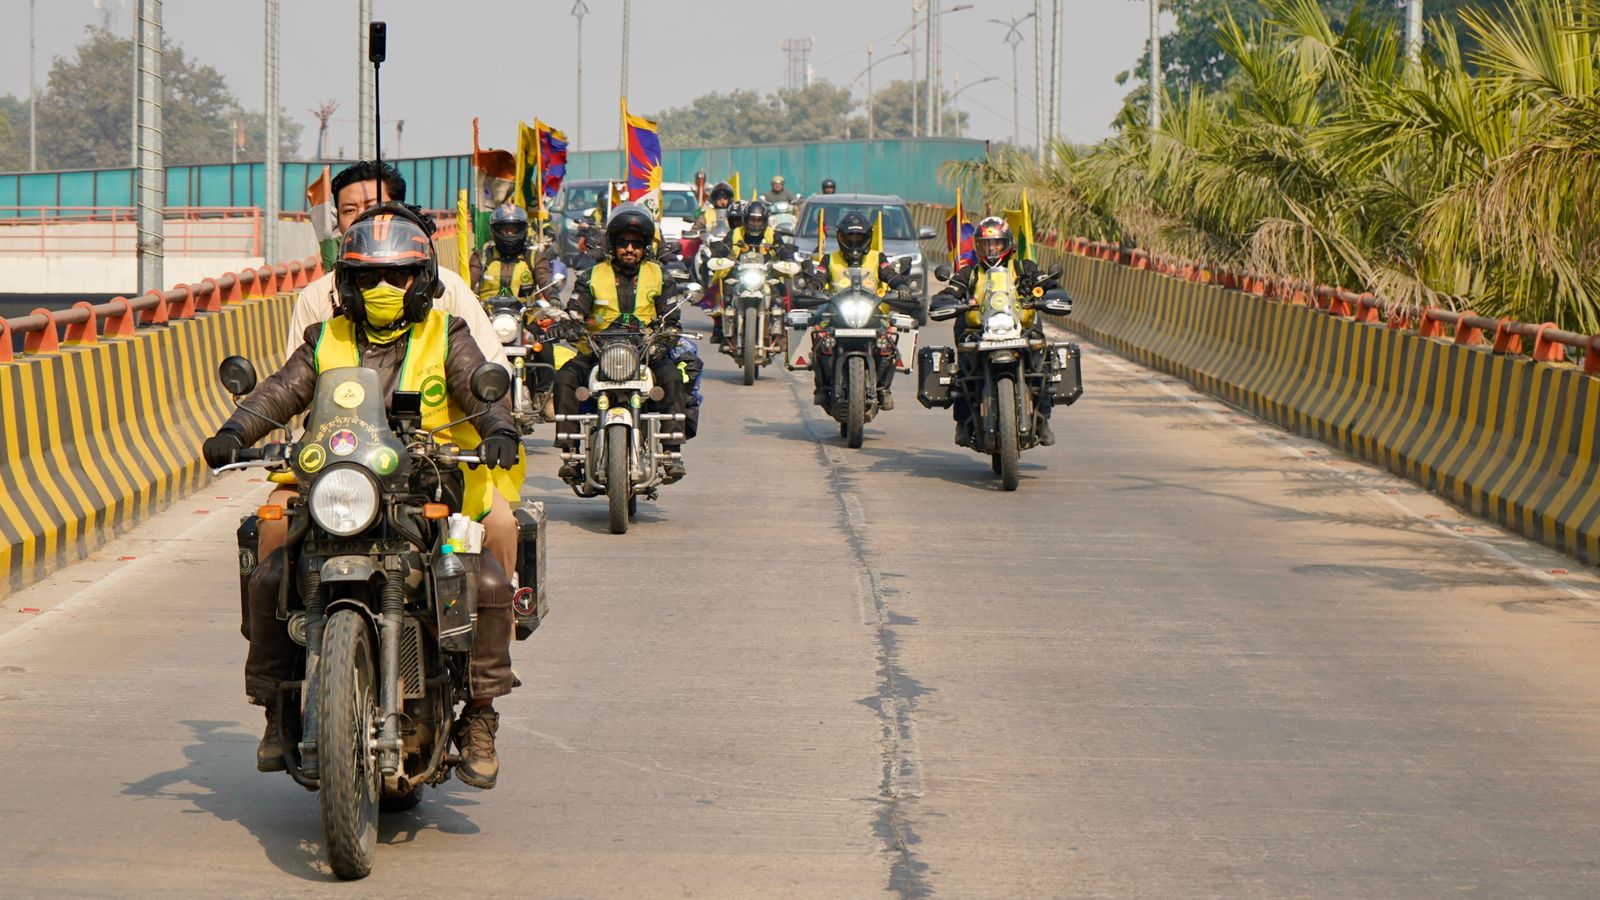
385	304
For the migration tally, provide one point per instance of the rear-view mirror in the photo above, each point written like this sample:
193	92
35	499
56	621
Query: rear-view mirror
490	382
926	233
238	375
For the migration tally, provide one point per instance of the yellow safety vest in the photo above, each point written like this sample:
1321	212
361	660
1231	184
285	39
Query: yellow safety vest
494	268
738	240
607	308
975	315
837	267
423	371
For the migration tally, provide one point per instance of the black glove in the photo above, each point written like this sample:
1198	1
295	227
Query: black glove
218	450
498	450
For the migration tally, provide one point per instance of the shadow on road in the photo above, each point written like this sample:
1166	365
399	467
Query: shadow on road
219	779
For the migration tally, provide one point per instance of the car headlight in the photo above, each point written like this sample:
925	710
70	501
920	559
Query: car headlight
1001	323
344	501
752	279
856	312
619	362
506	327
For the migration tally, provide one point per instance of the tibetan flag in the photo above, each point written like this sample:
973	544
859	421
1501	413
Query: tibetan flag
644	159
1021	222
527	182
552	160
464	235
877	233
958	236
495	173
324	217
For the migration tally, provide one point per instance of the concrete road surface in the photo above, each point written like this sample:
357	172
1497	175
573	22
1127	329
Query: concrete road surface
1189	657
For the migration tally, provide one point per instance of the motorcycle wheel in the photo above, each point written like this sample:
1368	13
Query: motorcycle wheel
347	711
856	377
1005	459
619	489
749	348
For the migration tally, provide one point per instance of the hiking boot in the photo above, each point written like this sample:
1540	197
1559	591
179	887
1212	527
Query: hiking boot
475	739
1047	438
673	472
964	433
886	401
568	471
269	753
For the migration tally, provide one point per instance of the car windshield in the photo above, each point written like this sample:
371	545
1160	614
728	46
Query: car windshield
580	197
678	203
896	224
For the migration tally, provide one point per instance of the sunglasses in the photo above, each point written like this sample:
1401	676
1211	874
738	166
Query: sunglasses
400	278
630	243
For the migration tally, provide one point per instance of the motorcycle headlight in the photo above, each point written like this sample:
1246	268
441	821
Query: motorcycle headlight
619	362
856	312
1002	323
752	279
506	327
344	501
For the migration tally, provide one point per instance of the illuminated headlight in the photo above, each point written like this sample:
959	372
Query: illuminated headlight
1002	323
619	362
506	327
344	501
752	279
856	312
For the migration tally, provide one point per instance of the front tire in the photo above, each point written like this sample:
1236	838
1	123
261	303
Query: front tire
619	488
1006	397
347	715
856	378
750	347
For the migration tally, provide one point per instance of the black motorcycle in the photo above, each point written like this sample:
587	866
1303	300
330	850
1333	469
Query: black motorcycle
523	332
1003	367
854	340
380	587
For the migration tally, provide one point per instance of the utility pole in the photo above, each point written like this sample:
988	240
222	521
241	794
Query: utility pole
1155	67
269	231
152	174
927	71
915	112
622	130
579	10
1056	46
871	134
1414	32
365	138
1039	124
1014	37
33	109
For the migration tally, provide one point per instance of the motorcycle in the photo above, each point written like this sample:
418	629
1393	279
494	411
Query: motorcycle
618	449
716	234
1004	368
752	318
523	333
380	586
855	340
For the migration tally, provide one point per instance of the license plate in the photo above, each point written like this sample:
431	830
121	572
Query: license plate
855	332
1003	345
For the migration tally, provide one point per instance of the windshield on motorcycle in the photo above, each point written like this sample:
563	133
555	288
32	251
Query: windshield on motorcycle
348	424
856	305
998	305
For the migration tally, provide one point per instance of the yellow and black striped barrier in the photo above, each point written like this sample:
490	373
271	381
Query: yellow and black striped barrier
1507	437
101	431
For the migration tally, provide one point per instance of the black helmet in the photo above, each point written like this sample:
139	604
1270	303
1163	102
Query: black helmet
756	219
828	186
629	218
509	225
736	213
388	237
855	233
722	191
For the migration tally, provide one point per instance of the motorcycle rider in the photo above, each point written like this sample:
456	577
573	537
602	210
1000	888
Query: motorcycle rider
386	277
779	194
828	187
854	234
509	263
706	217
626	286
995	249
754	234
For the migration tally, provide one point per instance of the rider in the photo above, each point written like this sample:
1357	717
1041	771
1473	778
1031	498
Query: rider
828	187
707	216
995	249
855	241
386	277
779	194
627	287
509	263
754	235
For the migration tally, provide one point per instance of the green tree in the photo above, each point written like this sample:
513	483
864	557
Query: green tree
893	107
819	112
13	134
86	110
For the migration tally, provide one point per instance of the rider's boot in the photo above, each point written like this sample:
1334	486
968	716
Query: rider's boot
886	400
269	753
1047	438
716	329
674	470
475	739
964	432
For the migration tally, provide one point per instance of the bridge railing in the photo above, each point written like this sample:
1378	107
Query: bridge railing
114	230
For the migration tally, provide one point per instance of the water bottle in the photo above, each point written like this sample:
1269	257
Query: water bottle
449	578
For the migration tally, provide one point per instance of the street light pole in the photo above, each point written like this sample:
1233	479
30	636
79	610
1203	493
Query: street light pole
1014	37
365	139
33	109
956	96
269	231
1155	66
579	10
867	72
1414	31
152	189
1039	124
622	134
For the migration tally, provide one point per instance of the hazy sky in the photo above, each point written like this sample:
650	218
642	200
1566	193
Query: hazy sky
520	57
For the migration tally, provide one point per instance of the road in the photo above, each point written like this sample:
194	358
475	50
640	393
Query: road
1191	656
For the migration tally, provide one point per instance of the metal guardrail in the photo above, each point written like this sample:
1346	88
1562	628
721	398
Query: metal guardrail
46	331
45	230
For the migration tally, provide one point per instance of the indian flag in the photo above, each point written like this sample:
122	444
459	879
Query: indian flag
324	217
496	175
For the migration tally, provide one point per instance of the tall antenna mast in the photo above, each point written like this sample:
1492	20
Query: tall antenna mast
377	49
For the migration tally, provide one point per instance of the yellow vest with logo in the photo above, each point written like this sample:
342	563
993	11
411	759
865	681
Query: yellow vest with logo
738	240
494	268
607	308
837	267
975	315
423	371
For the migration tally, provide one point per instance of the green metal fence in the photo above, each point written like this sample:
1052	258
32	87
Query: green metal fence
905	167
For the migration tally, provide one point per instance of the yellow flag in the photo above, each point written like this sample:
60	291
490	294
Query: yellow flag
877	233
734	183
463	235
1021	222
527	192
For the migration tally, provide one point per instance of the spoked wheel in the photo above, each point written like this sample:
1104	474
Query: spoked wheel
856	378
1005	459
619	489
749	346
347	711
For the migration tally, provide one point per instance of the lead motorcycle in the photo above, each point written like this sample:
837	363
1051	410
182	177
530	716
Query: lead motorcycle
855	339
1003	367
380	586
618	448
752	315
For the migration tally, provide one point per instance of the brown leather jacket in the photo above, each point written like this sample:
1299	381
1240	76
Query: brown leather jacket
288	391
